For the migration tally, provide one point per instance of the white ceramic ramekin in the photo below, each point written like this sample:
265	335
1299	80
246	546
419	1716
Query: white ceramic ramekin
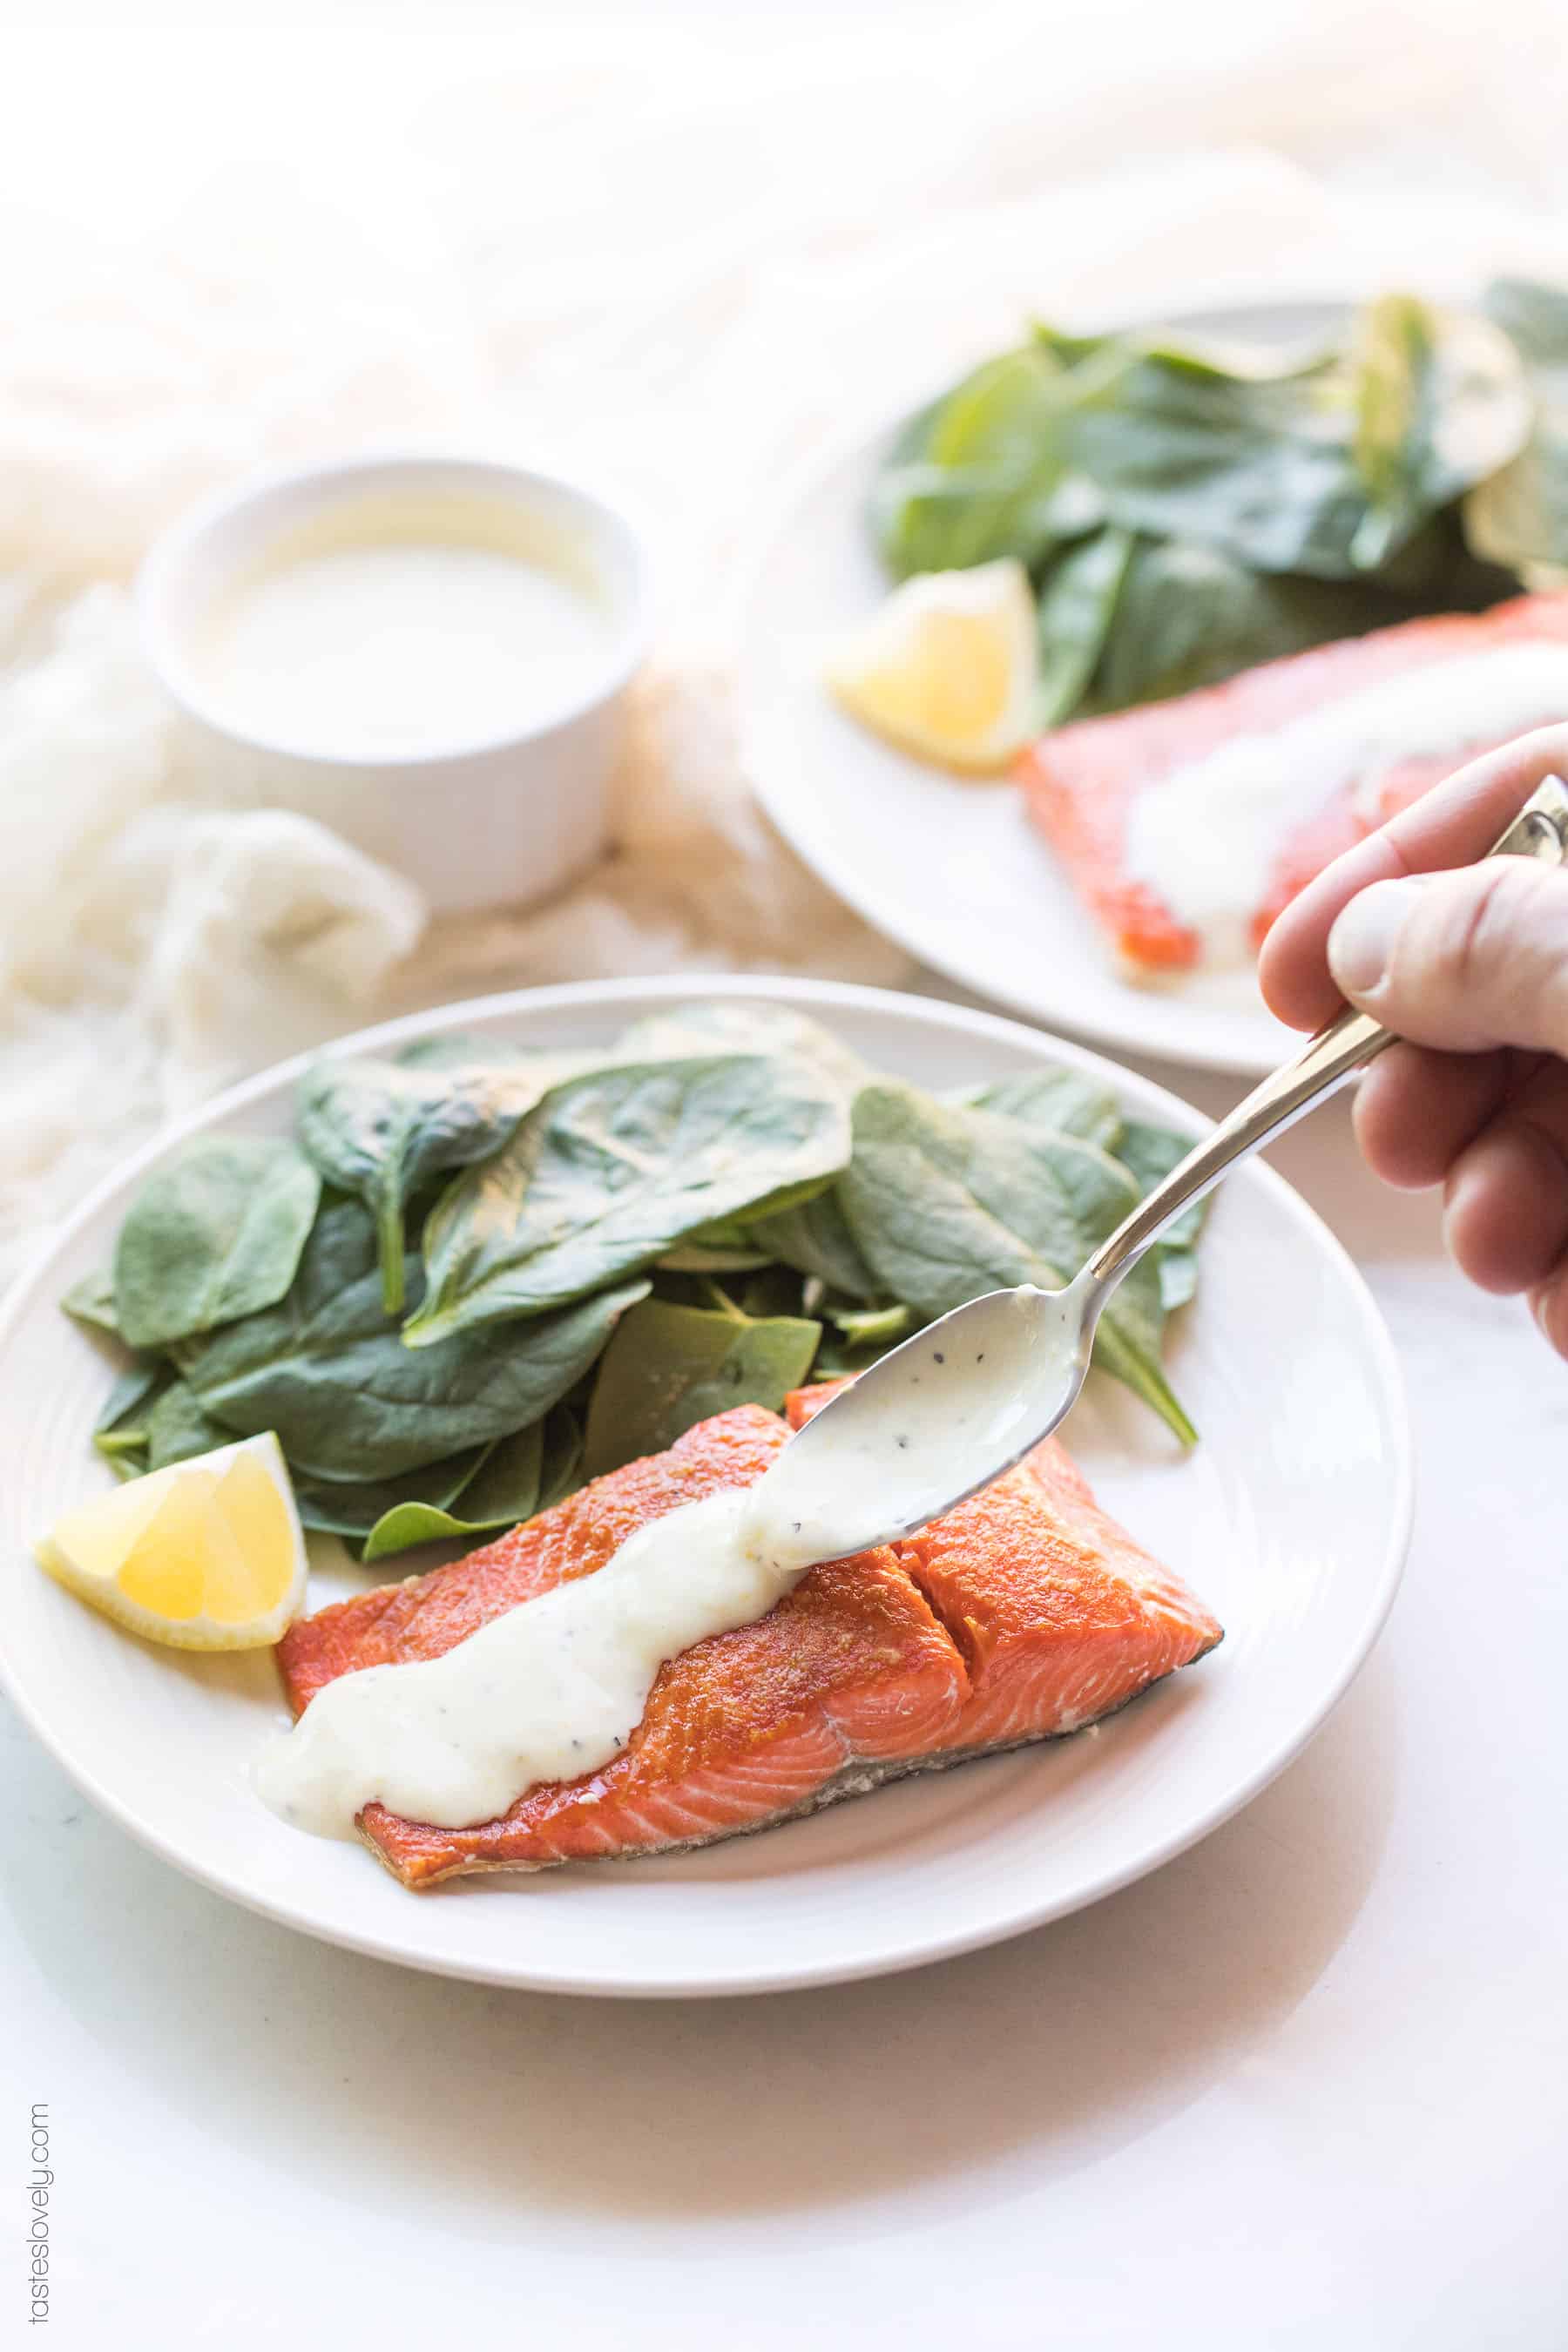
474	824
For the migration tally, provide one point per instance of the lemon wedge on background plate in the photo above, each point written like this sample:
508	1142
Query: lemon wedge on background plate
203	1555
949	668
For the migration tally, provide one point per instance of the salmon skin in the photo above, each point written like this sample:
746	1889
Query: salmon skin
1022	1615
1082	781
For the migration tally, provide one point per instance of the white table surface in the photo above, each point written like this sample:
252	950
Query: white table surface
1303	2086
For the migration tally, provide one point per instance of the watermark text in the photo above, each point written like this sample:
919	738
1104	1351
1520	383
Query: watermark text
40	2184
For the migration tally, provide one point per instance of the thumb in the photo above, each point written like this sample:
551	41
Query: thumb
1464	961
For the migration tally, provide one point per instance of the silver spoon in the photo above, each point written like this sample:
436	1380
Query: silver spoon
940	1417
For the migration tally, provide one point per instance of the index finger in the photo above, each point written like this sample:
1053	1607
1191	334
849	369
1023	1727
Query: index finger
1453	825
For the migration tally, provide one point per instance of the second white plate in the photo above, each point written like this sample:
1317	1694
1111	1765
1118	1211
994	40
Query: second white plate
954	869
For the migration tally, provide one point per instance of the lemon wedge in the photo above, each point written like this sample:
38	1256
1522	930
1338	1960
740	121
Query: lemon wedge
949	669
203	1555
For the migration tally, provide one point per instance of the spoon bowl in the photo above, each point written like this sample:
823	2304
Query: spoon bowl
935	1419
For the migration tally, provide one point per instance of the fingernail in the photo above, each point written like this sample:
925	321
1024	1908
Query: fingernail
1361	945
1543	1304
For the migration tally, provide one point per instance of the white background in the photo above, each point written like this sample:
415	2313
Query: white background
1305	2085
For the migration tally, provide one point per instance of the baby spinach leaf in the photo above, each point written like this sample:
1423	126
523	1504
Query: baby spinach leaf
476	1492
1005	409
984	473
138	1384
946	1204
151	1419
1533	315
120	1431
815	1239
1264	471
382	1130
1077	608
213	1235
1437	571
927	518
697	1257
1149	1153
611	1171
870	1326
127	1462
1191	616
1178	1271
465	1050
1223	358
506	1489
1518	516
1127	1347
1058	1101
776	1290
91	1300
738	1235
1440	403
560	1473
670	1367
351	1509
502	1493
178	1428
327	1369
732	1026
931	1195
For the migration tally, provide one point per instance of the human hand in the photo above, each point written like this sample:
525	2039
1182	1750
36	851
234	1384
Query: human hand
1472	968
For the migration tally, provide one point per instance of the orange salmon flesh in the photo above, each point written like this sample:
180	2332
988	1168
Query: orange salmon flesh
1081	782
1022	1615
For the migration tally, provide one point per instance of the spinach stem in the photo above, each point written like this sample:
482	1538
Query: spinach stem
723	1300
389	1248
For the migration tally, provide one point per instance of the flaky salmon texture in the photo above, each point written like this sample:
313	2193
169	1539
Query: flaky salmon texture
1081	782
1024	1614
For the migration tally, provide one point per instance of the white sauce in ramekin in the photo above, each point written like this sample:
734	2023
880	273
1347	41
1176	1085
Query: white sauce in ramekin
388	630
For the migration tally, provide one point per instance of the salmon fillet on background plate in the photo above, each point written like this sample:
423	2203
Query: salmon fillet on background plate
1025	1614
1083	782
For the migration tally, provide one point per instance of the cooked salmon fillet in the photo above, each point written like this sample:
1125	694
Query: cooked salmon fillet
1025	1614
1082	781
1059	1616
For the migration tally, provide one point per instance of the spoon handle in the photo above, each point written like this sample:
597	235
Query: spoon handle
1325	1062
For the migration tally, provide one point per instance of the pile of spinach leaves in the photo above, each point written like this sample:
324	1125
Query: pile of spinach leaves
476	1278
1187	511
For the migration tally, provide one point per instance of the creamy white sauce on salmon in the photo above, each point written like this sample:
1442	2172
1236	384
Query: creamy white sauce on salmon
1208	837
555	1687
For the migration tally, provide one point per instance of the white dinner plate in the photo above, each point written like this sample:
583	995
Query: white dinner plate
952	868
1291	1519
